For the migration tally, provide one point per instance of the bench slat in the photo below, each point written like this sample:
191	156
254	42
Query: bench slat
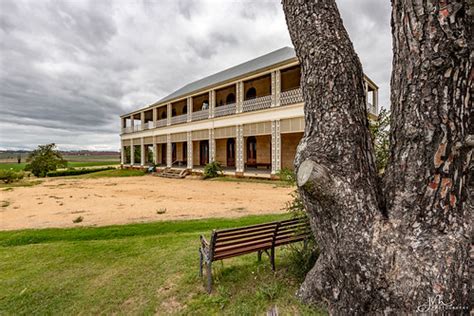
246	235
242	240
242	251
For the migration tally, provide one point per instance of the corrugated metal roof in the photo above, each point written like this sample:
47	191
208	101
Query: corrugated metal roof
273	58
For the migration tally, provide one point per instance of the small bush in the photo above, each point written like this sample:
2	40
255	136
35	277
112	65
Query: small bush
76	172
302	257
287	175
212	170
9	175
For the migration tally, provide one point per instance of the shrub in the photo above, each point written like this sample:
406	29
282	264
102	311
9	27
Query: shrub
380	130
212	170
76	172
44	159
9	175
302	257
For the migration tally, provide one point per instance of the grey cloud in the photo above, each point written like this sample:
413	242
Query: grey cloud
69	68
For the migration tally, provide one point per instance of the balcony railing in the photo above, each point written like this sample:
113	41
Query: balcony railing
200	115
179	119
137	128
257	103
224	110
291	96
161	123
127	129
149	125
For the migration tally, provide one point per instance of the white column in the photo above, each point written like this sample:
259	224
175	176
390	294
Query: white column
142	119
168	114
155	151
189	104
276	147
240	96
142	151
189	138
277	87
376	101
132	123
169	156
212	146
122	153
132	152
155	116
212	103
239	165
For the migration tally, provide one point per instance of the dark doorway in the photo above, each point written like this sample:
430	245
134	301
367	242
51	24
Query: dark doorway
230	152
163	153
203	152
185	152
230	98
251	94
173	153
251	151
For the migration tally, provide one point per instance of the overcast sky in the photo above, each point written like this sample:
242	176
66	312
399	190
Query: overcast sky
69	68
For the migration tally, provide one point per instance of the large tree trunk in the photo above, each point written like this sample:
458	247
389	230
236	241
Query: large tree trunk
396	248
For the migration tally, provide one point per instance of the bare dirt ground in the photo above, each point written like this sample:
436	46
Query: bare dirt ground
107	201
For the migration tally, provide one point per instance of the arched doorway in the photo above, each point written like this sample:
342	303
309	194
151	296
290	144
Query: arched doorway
251	94
230	98
203	152
251	151
230	152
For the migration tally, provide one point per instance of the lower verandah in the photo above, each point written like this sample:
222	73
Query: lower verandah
257	154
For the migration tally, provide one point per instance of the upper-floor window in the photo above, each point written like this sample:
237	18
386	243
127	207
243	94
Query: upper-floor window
251	93
205	105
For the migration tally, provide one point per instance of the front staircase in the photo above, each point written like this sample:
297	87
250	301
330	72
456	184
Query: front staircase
173	173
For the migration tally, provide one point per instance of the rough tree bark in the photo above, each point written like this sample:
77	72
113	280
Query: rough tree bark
400	243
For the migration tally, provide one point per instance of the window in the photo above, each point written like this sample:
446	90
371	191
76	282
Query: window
251	94
185	109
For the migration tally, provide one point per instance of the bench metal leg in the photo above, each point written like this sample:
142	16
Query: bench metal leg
209	277
200	262
259	255
272	258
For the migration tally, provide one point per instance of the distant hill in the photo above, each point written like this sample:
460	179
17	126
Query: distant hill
78	155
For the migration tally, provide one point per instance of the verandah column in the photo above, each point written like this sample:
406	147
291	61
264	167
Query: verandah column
189	105
239	89
122	153
168	151
212	146
155	151
276	147
132	152
212	103
142	151
168	114
189	139
239	136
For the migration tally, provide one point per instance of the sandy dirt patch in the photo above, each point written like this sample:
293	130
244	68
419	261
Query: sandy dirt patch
108	201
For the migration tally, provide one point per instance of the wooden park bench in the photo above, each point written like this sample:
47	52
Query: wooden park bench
228	243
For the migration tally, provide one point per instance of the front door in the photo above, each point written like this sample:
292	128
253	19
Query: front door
230	152
173	152
163	154
204	152
185	152
252	151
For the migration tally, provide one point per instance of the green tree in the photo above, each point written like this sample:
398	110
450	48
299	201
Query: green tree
44	159
380	131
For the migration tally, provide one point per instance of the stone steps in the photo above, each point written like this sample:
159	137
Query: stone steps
173	173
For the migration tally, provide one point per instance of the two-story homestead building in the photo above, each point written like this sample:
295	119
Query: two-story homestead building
248	117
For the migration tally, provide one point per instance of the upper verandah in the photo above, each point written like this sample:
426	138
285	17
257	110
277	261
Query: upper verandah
283	57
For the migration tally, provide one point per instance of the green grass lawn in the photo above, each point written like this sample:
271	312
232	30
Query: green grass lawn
138	269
